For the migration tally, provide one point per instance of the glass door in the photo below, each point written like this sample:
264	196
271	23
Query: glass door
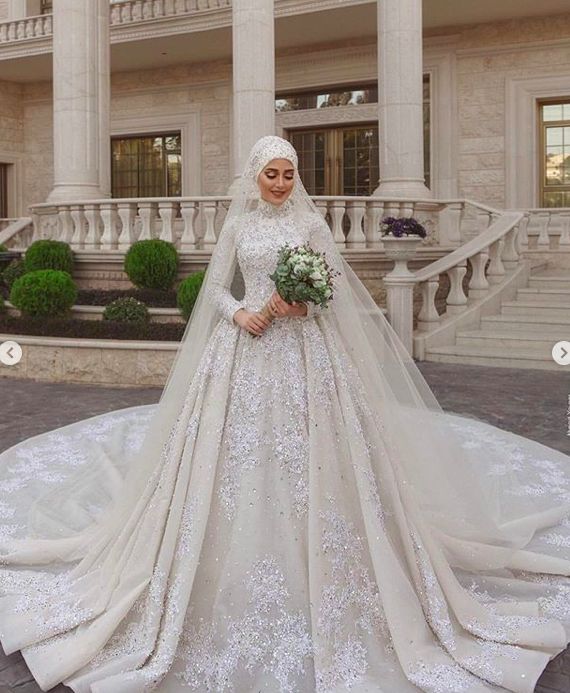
338	161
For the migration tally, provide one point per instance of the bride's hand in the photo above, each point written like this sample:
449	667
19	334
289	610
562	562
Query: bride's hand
282	309
255	323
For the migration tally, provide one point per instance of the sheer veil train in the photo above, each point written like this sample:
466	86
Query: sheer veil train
104	547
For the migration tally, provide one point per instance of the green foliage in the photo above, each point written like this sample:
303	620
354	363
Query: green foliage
3	248
46	254
152	264
14	270
2	304
188	292
44	292
126	309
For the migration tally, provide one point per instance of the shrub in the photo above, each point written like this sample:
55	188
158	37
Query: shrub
126	309
152	264
46	254
188	292
44	292
3	248
2	304
14	270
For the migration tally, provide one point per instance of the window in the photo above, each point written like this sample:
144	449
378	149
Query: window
343	159
146	165
555	154
3	191
46	7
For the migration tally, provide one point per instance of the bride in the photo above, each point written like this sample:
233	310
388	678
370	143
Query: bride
297	513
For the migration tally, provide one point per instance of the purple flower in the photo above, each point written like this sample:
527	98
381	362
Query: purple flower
403	226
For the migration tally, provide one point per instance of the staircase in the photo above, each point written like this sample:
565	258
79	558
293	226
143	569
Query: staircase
523	333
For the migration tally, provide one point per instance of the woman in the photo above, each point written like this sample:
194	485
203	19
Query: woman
296	514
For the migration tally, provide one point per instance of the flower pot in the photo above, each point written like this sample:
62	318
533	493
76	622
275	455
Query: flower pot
401	249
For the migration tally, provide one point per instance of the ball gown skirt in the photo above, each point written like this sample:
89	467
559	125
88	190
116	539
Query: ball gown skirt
271	577
274	547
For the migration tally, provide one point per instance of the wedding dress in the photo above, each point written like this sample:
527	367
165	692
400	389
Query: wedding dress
295	514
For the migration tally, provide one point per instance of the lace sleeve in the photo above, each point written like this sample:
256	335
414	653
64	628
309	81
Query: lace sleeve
221	279
321	240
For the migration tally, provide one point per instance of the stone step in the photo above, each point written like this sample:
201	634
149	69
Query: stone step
512	340
493	357
535	323
555	296
534	308
549	282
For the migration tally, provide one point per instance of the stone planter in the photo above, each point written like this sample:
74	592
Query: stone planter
401	249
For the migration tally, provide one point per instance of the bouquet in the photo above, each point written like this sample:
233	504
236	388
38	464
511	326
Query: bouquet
301	275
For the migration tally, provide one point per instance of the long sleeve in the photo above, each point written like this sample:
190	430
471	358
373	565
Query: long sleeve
221	278
321	240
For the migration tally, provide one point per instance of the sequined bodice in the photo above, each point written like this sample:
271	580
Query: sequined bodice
257	244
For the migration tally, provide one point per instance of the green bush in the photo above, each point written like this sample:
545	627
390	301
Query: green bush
3	248
126	309
152	264
46	254
14	270
2	304
188	292
44	292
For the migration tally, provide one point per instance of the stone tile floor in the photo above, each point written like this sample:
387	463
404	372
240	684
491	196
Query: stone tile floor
531	403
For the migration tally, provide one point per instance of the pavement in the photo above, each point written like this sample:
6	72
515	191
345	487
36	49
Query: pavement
532	403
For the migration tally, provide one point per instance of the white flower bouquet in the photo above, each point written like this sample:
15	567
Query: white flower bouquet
302	275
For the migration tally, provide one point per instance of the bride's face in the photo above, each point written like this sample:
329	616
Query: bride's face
276	181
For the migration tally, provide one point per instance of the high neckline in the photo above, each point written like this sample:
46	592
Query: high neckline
268	209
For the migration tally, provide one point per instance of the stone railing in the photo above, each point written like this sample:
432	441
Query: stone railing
16	234
547	229
193	223
495	256
142	10
27	28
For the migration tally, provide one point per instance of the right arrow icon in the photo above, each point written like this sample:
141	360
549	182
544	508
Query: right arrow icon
561	353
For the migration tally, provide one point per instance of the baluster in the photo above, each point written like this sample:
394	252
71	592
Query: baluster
30	29
168	8
127	12
147	9
92	239
478	285
180	7
65	224
375	212
115	14
188	210
522	236
322	206
147	214
167	212
48	25
428	315
12	31
510	254
496	270
565	231
158	8
109	237
80	226
3	32
208	209
127	212
456	299
337	208
21	30
483	220
39	27
356	237
543	224
137	11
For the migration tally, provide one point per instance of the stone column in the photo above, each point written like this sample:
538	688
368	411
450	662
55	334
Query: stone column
253	76
400	99
81	86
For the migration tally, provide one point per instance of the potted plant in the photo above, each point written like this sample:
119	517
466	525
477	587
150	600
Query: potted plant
400	237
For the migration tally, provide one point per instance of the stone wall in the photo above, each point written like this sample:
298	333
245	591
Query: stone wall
487	56
11	118
3	9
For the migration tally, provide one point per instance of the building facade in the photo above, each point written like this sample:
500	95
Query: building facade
481	95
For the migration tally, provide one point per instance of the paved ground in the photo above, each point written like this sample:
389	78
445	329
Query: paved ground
532	403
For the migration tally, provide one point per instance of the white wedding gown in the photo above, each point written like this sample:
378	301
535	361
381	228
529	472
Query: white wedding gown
272	571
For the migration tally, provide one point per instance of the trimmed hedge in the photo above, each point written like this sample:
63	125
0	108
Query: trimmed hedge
152	264
188	292
44	292
14	270
127	309
47	254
